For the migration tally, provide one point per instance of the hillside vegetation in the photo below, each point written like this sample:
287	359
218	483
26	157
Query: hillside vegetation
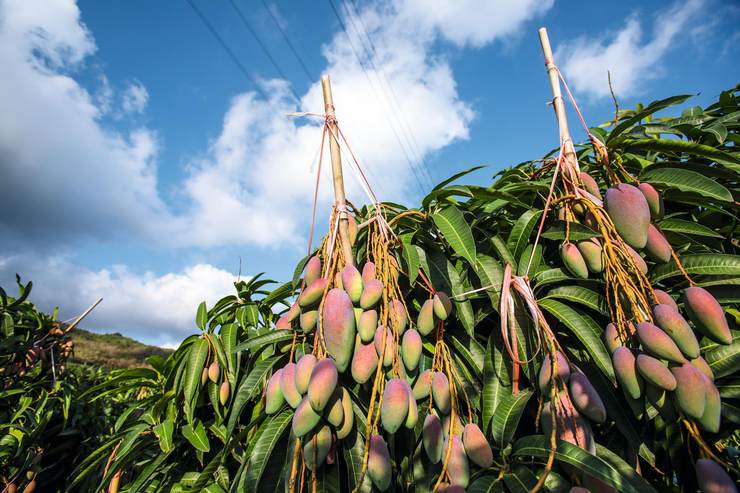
112	350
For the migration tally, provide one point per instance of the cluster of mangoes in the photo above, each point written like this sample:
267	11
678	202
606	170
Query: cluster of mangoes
212	372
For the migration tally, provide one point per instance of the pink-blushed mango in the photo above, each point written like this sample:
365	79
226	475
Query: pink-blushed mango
590	185
274	398
371	294
303	370
334	413
668	319
203	376
585	398
441	392
653	199
293	312
283	323
322	383
657	247
591	252
316	448
665	298
611	338
442	305
411	347
637	259
368	325
308	320
348	416
658	343
450	488
655	372
379	463
223	392
288	387
562	372
364	361
457	464
712	478
710	418
352	229
630	213
707	314
390	346
398	316
339	327
423	385
702	365
214	371
578	489
312	293
305	418
425	322
457	429
690	390
395	406
476	446
573	260
625	368
413	415
352	282
312	271
432	438
368	272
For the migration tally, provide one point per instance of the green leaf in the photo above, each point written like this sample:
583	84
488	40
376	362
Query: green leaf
699	264
577	232
584	462
520	480
503	252
587	331
491	274
687	227
496	378
486	484
444	277
201	316
454	177
273	431
687	181
257	343
456	231
724	360
653	107
163	431
410	257
507	415
7	325
579	294
196	362
681	146
249	387
196	435
521	231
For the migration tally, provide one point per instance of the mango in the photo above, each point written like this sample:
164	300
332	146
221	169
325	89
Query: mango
395	406
611	338
334	412
457	464
348	416
457	429
711	416
432	438
352	282
316	448
441	392
476	446
578	489
322	383
657	247
312	293
413	415
573	260
563	372
305	418
690	390
223	392
423	385
658	343
659	398
625	368
442	305
590	185
712	478
630	213
368	272
339	327
364	361
707	314
293	312
214	371
585	398
308	320
702	365
665	298
655	372
450	488
371	294
425	322
653	199
288	387
352	229
668	319
637	259
390	346
283	323
379	463
367	325
274	398
312	271
398	316
203	376
591	252
411	347
303	370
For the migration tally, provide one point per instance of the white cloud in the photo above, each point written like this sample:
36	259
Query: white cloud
135	98
631	57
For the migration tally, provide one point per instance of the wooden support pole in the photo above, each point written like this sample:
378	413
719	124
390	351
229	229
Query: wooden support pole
336	167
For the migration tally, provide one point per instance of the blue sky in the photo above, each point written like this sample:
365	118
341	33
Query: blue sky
141	164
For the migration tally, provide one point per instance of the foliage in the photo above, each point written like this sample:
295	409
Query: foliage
112	350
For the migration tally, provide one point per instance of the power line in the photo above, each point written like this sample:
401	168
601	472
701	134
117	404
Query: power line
264	47
287	41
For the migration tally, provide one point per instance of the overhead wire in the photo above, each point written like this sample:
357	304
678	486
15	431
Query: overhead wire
297	55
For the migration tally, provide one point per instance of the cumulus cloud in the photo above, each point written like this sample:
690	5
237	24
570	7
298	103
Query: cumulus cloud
632	57
135	98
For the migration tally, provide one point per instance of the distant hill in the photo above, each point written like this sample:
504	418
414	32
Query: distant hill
112	350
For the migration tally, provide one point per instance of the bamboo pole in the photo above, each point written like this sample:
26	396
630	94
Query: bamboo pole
336	167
